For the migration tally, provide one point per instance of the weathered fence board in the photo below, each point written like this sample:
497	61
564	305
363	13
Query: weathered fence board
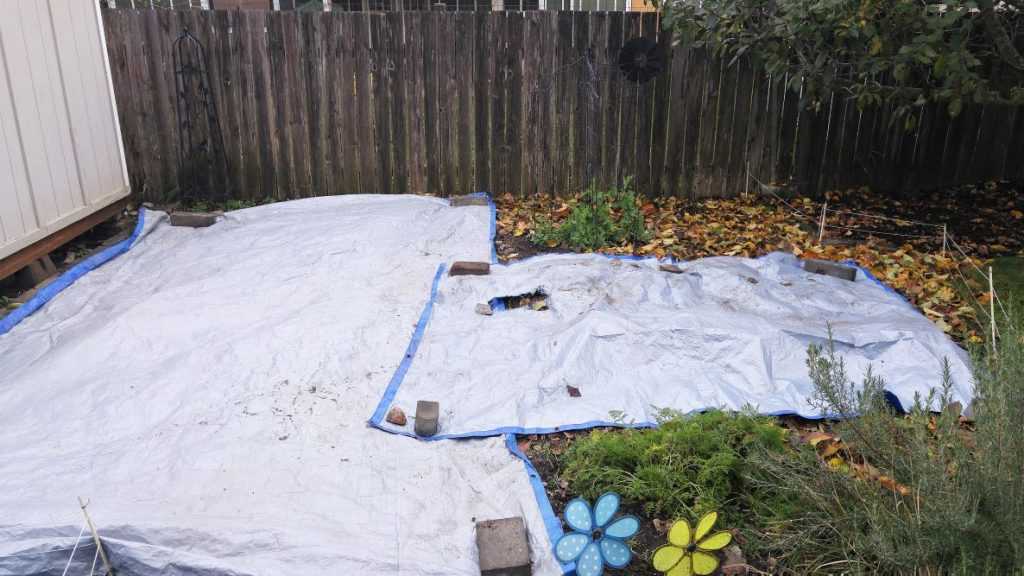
527	103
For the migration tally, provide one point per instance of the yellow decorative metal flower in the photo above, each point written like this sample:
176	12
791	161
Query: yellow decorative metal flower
691	551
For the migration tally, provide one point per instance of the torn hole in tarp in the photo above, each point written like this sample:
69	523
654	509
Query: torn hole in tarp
536	300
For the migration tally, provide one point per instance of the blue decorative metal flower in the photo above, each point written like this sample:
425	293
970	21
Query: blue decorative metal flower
595	539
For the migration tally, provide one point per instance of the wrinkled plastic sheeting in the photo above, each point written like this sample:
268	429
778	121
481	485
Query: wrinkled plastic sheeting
632	339
207	392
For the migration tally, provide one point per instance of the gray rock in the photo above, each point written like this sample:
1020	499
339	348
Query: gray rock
503	548
670	268
426	417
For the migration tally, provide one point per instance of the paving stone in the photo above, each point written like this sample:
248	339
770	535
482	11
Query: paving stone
426	417
462	268
396	416
503	548
830	269
468	200
194	219
670	268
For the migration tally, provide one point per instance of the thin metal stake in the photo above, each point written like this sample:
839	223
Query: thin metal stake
96	537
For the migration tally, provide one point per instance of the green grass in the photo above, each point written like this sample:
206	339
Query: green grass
1008	277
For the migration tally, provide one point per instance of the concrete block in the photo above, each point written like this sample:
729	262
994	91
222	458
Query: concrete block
468	200
470	269
426	417
35	273
503	548
830	269
194	219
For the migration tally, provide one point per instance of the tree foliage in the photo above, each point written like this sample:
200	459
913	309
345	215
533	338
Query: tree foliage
906	52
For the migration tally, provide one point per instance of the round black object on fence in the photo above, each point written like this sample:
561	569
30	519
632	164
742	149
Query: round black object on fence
641	59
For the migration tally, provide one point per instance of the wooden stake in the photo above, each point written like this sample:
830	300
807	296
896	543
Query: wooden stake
821	228
943	240
96	537
992	306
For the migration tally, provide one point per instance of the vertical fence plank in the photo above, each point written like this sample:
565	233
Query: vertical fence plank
381	73
465	84
484	52
646	96
326	103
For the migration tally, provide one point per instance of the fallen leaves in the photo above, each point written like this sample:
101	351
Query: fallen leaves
906	254
839	457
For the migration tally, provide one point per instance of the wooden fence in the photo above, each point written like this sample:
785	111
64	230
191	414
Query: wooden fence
522	102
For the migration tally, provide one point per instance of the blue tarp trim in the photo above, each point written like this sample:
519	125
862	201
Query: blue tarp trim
410	351
71	276
494	222
551	522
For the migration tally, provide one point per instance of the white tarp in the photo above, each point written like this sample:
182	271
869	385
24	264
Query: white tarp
208	393
728	332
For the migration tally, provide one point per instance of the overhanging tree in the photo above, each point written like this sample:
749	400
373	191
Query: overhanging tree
905	52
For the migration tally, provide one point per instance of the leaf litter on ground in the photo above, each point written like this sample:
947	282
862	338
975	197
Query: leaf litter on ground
899	240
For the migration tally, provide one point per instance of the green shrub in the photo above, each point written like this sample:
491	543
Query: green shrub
687	466
958	507
600	219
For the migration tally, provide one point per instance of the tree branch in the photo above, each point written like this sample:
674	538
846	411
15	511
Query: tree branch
997	34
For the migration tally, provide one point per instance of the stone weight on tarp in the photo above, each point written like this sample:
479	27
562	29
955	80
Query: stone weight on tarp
503	548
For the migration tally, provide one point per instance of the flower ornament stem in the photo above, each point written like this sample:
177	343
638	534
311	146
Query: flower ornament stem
596	538
691	551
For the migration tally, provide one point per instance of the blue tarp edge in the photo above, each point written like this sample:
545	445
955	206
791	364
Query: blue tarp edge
69	277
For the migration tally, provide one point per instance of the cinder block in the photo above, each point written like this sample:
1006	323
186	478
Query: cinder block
470	269
426	417
468	200
830	269
194	219
503	548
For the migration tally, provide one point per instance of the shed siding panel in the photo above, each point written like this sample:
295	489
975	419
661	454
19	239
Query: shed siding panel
60	152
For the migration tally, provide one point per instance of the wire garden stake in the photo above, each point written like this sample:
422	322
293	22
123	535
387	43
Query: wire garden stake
202	165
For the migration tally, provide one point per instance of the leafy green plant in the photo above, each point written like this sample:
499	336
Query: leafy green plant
599	219
899	52
687	466
957	501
